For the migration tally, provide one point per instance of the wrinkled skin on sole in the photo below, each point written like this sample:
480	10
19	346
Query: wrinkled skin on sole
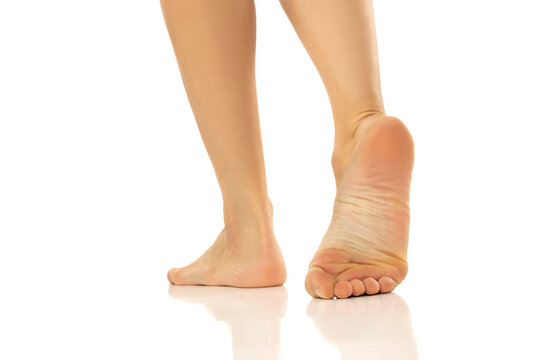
365	248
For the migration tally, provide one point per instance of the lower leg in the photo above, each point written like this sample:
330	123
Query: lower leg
214	43
364	250
340	39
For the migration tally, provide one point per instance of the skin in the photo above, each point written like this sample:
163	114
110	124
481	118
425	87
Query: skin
364	250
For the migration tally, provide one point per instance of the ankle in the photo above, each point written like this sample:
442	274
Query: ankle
249	213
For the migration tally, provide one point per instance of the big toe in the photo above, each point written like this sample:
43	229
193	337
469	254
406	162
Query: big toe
179	276
171	274
319	283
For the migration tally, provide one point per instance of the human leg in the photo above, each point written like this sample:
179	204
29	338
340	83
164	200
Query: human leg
364	250
214	43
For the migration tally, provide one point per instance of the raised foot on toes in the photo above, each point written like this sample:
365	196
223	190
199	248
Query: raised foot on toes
365	247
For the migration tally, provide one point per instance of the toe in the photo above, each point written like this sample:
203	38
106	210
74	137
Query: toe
372	286
387	284
358	287
319	283
188	275
343	289
170	275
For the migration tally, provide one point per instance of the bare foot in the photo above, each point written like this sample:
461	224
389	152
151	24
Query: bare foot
245	257
364	250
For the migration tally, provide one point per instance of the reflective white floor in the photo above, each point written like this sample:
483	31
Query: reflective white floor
366	327
61	310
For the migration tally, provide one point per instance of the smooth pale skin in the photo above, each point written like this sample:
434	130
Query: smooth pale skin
364	250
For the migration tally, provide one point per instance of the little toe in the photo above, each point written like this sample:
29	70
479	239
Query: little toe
319	283
343	289
387	284
372	286
358	287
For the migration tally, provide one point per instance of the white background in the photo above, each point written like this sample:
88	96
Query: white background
105	183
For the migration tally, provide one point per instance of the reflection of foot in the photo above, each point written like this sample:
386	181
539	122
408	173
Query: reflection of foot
252	315
234	305
240	258
364	250
368	327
